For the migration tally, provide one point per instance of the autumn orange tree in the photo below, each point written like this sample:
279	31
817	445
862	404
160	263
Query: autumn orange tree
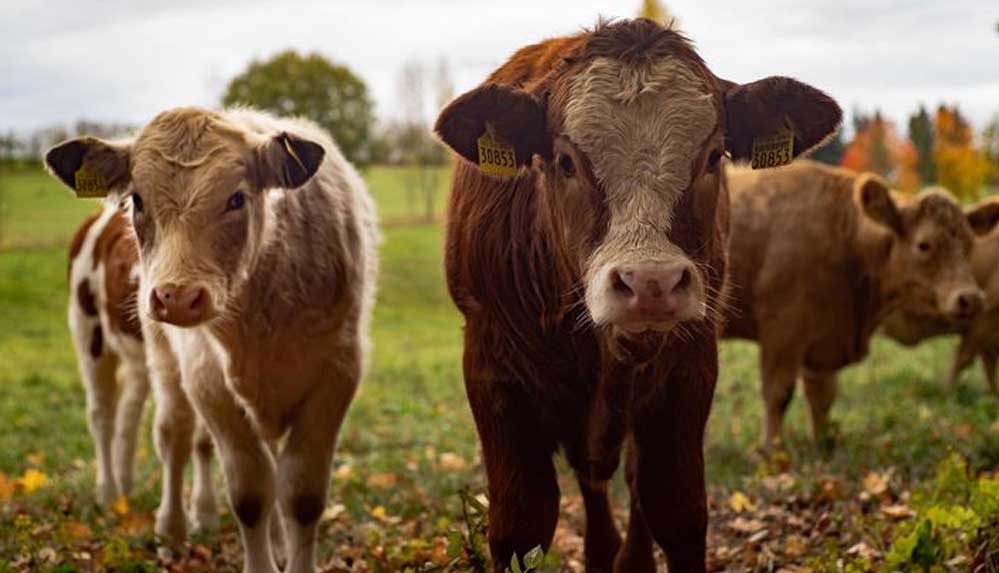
960	165
877	147
990	148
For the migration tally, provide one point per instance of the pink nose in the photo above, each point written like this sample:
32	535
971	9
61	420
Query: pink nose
183	305
653	290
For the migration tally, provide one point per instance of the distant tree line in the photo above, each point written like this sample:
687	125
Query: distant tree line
939	148
29	148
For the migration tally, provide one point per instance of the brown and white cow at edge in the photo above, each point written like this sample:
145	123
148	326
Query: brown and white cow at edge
257	256
980	334
821	256
591	280
111	355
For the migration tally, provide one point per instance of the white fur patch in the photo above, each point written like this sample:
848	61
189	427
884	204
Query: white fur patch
642	127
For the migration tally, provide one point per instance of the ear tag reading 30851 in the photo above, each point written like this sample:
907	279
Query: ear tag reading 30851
496	157
89	184
774	150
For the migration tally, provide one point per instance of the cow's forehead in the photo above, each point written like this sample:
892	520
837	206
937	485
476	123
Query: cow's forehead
641	124
938	209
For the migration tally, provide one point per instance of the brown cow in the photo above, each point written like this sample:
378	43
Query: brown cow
979	335
111	355
821	255
257	269
591	276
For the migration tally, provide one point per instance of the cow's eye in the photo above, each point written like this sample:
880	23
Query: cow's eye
714	159
137	204
923	246
566	165
235	202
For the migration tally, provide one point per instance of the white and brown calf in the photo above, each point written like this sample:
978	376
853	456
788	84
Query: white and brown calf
257	255
111	354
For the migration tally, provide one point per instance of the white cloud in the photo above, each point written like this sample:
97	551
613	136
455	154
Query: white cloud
62	60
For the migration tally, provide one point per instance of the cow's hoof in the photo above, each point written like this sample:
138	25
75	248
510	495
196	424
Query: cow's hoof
171	527
204	521
106	494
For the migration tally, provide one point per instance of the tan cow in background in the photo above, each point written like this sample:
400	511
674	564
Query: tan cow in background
110	349
257	272
820	256
979	335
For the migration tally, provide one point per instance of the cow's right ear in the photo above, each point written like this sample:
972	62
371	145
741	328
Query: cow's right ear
89	166
984	217
512	116
874	196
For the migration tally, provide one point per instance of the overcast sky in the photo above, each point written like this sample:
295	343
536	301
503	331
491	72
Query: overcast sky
125	60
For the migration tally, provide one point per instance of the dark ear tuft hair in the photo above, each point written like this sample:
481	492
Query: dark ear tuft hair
875	199
288	161
765	107
107	162
515	116
984	217
65	159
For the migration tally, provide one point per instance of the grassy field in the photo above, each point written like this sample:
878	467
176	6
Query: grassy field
408	473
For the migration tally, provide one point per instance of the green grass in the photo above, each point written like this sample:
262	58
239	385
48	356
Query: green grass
892	411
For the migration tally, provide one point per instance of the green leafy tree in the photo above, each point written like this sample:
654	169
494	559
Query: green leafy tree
921	134
310	86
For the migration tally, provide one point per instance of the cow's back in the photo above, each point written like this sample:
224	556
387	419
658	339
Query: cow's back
103	284
792	255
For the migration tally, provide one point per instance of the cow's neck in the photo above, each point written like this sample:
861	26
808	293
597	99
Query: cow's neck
877	294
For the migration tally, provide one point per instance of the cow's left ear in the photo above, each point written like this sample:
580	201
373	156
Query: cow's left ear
874	195
512	119
287	161
983	217
771	105
89	166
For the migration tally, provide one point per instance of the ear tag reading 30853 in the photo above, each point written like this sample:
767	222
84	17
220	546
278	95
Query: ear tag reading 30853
89	184
774	150
496	157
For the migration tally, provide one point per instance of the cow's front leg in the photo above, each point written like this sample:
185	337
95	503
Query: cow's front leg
99	381
135	391
173	428
962	358
778	375
304	468
668	433
820	390
204	507
636	553
249	469
602	540
517	453
990	361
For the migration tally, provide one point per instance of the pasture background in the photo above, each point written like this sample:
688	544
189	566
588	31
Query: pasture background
409	447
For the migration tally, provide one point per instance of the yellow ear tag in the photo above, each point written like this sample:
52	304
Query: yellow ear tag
89	184
496	157
774	150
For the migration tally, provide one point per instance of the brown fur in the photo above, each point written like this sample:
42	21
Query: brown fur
979	336
116	247
820	256
77	242
108	343
118	250
539	375
265	222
